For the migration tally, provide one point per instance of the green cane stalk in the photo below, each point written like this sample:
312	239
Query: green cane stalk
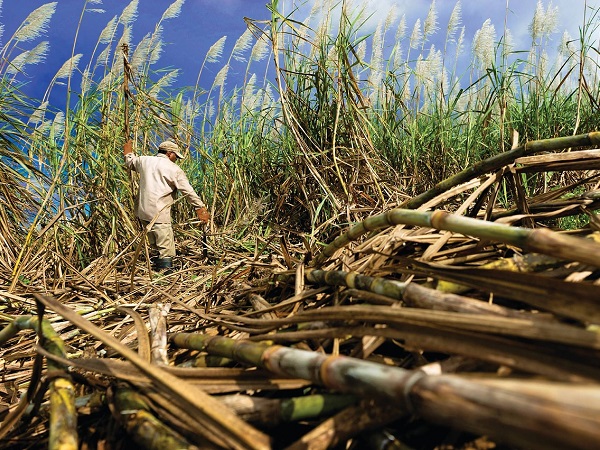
63	413
498	408
533	240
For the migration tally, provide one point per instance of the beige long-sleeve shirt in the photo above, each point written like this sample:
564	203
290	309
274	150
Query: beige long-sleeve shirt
160	180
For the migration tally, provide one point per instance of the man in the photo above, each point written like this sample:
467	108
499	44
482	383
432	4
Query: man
160	180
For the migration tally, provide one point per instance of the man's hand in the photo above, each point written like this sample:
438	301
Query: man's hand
203	215
127	147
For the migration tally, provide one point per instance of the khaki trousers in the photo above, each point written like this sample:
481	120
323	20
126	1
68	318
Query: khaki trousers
161	239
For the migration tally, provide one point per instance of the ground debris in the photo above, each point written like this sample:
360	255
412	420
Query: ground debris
445	326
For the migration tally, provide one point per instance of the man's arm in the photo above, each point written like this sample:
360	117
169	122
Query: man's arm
186	189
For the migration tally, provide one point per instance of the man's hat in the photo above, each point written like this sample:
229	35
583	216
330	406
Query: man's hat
170	146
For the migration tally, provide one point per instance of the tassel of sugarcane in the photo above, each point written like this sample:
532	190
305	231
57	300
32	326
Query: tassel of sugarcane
134	413
497	161
63	414
534	240
508	410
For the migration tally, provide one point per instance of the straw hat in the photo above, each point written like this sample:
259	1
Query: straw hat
170	146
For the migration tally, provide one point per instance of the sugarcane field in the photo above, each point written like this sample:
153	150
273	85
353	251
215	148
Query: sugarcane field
359	225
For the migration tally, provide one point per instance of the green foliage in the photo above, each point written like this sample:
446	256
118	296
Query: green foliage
573	222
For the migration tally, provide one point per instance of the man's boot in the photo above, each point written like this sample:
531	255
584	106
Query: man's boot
164	265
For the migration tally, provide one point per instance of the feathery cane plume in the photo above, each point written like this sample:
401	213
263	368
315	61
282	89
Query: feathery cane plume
173	10
221	76
454	21
430	23
416	37
36	23
483	44
34	56
38	114
165	81
216	50
108	33
68	67
129	14
401	29
391	17
243	44
260	50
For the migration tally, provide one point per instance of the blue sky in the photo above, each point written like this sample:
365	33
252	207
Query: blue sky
187	37
203	22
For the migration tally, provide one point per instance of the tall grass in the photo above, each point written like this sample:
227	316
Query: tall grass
336	118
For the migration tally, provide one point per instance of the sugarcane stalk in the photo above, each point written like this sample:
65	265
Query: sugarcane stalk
546	361
126	93
377	285
506	413
558	416
311	406
497	161
63	413
422	297
270	412
539	240
254	409
204	242
413	294
158	331
292	362
134	413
